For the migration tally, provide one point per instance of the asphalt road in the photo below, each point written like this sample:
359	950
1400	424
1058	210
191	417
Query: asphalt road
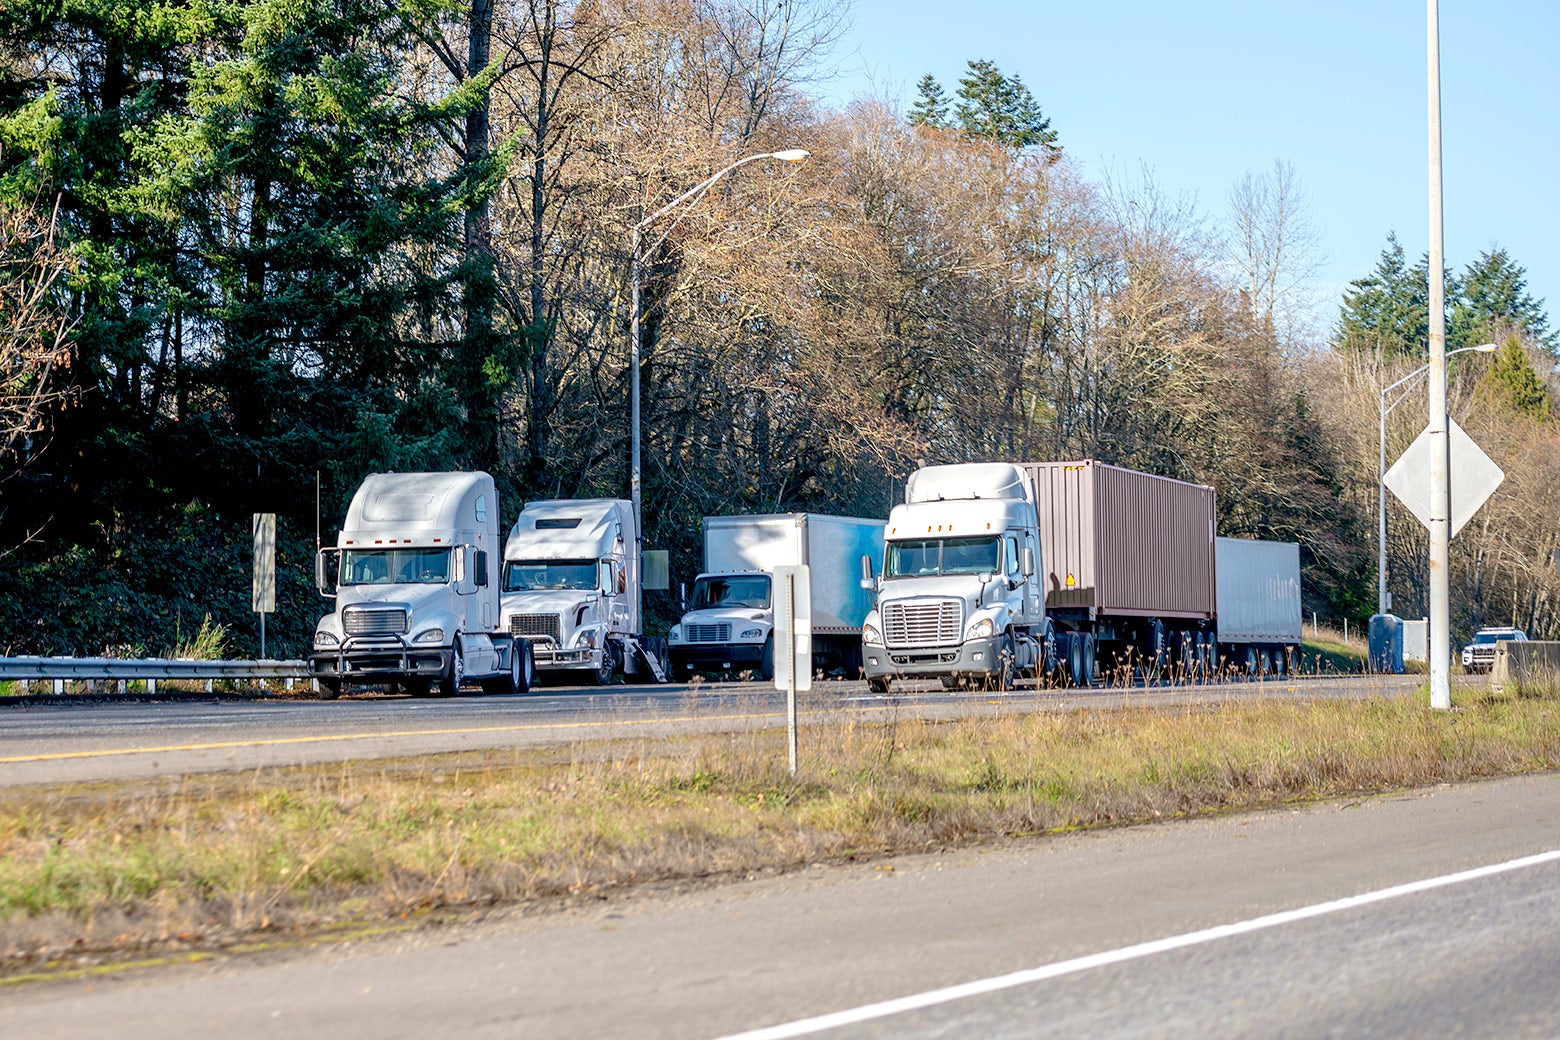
45	740
1471	957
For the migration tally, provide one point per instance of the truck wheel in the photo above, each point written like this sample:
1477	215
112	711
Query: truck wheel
1251	660
678	670
1002	678
330	689
527	655
603	676
766	667
454	672
1087	678
877	685
509	682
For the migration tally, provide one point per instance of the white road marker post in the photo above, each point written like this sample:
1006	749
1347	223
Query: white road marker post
792	642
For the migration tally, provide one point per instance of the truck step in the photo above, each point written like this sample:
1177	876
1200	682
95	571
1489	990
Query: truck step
648	658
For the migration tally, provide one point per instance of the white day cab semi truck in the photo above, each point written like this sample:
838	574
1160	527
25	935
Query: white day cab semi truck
1053	569
417	590
729	622
572	587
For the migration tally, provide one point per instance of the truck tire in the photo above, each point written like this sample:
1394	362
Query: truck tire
678	670
1002	678
527	655
330	689
877	685
454	672
510	682
1089	645
603	676
1251	662
1075	659
766	667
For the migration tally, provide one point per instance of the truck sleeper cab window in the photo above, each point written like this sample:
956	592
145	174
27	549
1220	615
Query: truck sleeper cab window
532	575
395	567
744	591
933	556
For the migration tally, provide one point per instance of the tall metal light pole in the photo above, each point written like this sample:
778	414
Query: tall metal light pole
1381	471
691	195
1440	454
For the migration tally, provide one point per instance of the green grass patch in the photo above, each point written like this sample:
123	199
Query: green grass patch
216	860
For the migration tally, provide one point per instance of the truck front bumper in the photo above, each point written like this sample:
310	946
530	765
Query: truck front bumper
550	658
976	657
716	657
379	664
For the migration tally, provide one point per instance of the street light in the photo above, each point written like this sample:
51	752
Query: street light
693	194
1381	471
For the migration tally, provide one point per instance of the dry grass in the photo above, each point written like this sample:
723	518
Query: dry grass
212	860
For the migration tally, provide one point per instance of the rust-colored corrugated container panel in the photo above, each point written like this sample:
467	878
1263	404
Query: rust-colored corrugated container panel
1124	542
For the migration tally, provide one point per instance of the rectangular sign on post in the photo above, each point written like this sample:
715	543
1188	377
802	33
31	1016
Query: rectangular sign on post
263	588
793	627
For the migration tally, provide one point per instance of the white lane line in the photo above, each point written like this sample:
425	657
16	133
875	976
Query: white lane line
931	998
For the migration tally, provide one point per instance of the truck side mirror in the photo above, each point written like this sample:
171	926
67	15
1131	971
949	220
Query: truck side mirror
868	579
461	572
322	575
1027	561
682	596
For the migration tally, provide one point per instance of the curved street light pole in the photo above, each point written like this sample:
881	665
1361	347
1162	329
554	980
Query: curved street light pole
691	195
1381	471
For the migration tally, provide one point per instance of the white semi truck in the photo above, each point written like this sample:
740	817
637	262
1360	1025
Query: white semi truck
995	570
417	590
572	586
728	625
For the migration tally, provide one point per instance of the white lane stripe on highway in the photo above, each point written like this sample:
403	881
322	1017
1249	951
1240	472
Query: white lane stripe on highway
931	998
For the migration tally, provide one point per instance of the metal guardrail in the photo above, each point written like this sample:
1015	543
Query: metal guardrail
59	670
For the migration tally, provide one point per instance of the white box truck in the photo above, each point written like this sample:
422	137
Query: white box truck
729	621
572	586
416	590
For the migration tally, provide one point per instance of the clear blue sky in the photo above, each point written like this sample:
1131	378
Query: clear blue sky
1203	91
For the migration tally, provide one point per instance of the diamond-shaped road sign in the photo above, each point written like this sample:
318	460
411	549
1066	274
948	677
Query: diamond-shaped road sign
1474	476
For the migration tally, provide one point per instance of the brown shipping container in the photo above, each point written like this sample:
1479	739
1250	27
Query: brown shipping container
1123	542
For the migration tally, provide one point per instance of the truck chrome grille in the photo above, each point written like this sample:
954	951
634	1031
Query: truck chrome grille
715	633
535	625
923	623
374	621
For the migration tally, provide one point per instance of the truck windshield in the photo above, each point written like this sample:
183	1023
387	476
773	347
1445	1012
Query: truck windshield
931	556
395	567
529	575
747	590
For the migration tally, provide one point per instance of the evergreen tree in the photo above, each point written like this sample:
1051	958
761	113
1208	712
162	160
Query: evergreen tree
1389	309
931	107
1492	299
1513	384
1000	109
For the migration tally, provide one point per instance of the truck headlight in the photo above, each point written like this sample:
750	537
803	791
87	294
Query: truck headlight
587	639
431	635
982	629
674	635
751	633
324	638
870	634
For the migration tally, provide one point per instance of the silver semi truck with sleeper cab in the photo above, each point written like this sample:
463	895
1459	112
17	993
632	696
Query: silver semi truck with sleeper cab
572	586
416	571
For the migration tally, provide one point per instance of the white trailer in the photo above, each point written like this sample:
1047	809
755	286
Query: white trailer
416	590
1258	591
729	621
572	584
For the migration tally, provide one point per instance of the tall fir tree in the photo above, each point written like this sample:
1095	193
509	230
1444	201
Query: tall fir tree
931	106
1493	299
1513	384
1389	309
999	109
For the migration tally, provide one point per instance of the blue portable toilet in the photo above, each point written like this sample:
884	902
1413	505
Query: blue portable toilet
1386	643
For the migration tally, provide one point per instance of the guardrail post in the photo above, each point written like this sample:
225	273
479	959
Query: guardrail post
59	686
151	686
208	686
26	686
120	687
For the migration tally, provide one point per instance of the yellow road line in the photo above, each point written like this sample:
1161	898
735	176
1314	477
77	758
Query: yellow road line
327	738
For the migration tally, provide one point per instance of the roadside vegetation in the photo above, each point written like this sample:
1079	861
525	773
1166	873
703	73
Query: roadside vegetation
102	872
